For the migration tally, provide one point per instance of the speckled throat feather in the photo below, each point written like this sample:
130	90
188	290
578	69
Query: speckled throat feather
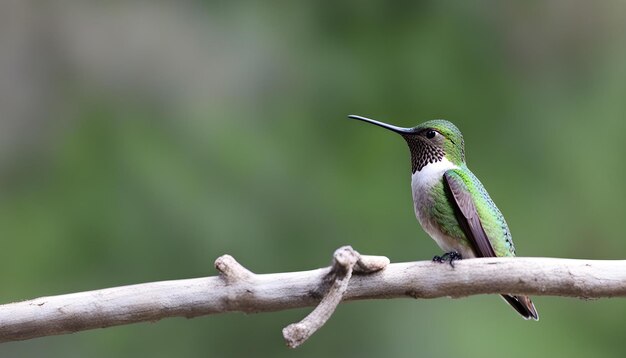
422	152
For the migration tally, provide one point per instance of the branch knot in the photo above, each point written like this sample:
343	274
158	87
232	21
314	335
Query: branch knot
345	261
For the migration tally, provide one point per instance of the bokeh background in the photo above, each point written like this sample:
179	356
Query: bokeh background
140	140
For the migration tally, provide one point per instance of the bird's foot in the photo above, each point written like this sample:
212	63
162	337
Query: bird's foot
448	257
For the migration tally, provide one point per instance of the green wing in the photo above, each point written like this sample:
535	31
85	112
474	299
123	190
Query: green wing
479	218
468	208
467	214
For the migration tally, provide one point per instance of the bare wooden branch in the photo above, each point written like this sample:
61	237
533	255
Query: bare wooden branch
345	261
237	289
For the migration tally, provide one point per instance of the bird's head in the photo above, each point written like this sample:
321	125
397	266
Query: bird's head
428	142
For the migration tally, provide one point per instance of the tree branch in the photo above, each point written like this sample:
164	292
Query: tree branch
345	261
237	289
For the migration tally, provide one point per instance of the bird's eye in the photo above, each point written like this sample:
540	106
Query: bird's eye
430	134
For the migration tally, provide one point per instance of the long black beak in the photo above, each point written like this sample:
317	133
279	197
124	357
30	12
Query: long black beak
399	130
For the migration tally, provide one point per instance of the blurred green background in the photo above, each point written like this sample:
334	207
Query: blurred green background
141	140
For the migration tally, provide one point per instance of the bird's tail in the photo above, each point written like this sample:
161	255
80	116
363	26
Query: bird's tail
523	305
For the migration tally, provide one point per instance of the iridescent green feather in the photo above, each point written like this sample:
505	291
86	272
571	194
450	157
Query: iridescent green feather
491	218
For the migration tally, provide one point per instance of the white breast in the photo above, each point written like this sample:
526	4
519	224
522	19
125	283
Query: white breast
430	175
421	183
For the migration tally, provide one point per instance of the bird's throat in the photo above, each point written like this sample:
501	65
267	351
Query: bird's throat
423	153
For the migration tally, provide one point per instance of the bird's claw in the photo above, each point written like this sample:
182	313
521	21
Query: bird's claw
449	257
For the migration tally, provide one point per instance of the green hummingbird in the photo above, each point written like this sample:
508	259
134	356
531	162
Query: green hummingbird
450	203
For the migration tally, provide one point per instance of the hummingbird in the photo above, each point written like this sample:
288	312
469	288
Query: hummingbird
451	204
